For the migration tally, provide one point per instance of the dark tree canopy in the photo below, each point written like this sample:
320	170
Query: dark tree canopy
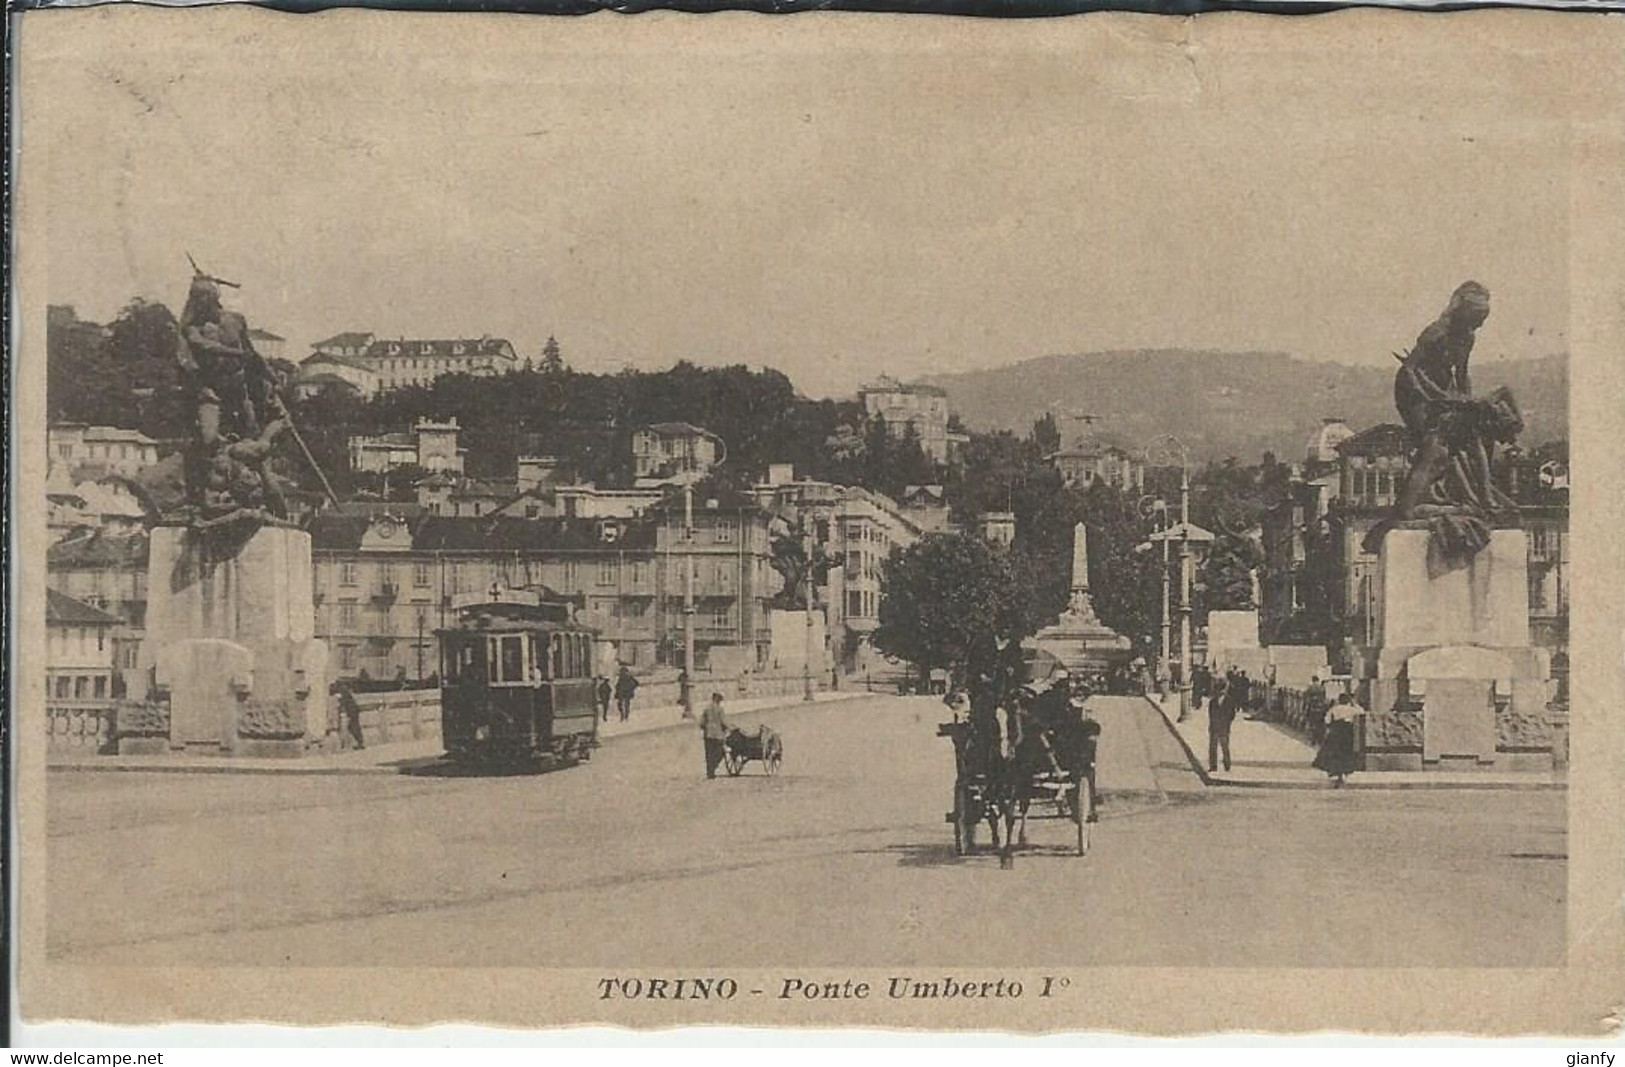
948	601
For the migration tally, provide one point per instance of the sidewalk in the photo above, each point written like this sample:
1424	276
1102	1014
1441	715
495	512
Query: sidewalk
1270	756
402	756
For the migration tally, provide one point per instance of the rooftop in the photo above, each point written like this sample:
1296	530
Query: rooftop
887	384
448	348
98	549
342	361
62	610
677	429
353	339
437	533
1384	439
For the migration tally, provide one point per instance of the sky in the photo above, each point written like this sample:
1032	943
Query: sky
893	196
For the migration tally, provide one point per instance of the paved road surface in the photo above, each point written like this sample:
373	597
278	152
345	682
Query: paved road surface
843	860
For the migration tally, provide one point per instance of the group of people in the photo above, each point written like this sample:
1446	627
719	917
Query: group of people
624	688
1330	724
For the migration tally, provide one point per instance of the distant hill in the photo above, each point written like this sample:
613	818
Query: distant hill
1225	403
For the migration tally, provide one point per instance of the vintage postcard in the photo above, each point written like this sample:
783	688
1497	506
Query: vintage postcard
1105	523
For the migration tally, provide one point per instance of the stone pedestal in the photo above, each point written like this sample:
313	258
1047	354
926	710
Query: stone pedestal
1454	681
231	641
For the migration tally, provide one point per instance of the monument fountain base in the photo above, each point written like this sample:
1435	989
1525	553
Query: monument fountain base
231	663
1454	682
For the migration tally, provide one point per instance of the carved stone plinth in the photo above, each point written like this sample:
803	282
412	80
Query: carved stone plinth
231	641
1455	683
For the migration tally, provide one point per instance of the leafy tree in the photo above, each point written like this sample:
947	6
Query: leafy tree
145	331
951	602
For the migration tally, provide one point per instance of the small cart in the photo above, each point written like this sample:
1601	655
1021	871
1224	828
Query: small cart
763	745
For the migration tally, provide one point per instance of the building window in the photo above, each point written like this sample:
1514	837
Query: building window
81	687
347	616
420	574
640	574
62	684
386	576
1537	590
347	657
101	687
606	572
725	531
721	618
572	574
347	573
725	576
854	604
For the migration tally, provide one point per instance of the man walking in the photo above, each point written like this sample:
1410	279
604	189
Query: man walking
626	687
1221	712
603	692
351	710
1314	710
714	729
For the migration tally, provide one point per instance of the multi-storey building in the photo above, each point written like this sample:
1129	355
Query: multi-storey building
323	371
81	651
924	408
384	584
454	496
431	446
859	529
1092	459
108	572
71	446
401	362
670	451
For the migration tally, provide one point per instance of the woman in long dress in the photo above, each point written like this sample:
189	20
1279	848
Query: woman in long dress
1336	755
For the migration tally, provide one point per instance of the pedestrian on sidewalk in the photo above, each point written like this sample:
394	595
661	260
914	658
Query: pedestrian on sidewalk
1222	705
714	729
1314	710
626	688
1336	755
1201	684
352	716
603	692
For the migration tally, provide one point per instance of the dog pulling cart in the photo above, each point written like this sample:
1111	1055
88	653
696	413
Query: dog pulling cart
764	745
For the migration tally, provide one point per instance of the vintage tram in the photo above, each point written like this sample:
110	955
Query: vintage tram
516	683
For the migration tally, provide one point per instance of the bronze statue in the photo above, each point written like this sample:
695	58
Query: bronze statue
239	415
1454	438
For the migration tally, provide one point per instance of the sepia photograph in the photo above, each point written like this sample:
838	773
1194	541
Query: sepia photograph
884	521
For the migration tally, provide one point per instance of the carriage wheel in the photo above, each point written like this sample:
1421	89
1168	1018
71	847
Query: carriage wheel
964	822
1083	807
734	764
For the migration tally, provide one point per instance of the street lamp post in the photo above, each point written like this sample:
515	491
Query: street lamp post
1184	585
1166	446
806	663
1158	507
686	697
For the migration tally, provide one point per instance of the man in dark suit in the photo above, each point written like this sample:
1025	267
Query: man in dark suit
1226	697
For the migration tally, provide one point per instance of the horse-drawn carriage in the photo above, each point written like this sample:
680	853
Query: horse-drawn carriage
1037	749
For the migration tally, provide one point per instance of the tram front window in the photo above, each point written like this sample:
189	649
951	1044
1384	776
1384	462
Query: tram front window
508	660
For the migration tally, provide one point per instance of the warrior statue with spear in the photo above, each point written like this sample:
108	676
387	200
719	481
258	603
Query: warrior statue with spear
239	414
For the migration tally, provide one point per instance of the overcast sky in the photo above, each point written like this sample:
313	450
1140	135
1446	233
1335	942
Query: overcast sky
921	201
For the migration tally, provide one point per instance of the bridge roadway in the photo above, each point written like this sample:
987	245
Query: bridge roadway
843	860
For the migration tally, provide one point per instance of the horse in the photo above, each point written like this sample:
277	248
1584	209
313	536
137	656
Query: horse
1040	745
